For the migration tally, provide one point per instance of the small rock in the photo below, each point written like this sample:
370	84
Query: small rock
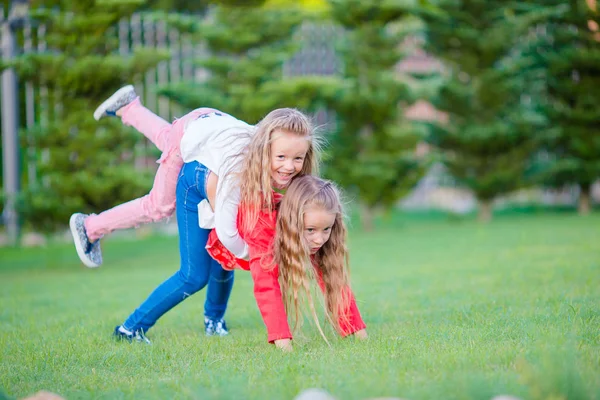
320	394
385	398
44	395
314	394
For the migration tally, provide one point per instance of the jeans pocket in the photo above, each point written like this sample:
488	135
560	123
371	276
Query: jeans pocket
201	174
181	172
188	172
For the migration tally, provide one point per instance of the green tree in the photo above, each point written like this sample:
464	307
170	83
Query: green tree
492	125
183	6
372	152
82	165
247	46
372	146
568	48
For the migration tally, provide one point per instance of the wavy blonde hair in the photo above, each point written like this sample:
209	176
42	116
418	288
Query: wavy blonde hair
292	253
254	175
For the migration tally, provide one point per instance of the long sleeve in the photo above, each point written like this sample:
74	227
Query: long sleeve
217	142
270	301
350	320
354	321
227	202
265	275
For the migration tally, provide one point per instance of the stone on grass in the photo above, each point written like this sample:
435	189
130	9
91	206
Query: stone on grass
44	395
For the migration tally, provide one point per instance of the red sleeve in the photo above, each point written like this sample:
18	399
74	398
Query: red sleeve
350	320
354	321
265	274
222	255
269	300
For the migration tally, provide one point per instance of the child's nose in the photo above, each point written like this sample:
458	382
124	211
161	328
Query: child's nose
288	165
319	239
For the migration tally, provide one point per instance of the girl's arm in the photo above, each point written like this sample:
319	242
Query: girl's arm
265	275
270	301
227	201
353	323
350	321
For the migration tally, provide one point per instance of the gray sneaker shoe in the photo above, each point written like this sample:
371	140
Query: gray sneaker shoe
119	99
120	333
89	253
215	327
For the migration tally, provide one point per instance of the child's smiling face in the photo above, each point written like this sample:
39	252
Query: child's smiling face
288	152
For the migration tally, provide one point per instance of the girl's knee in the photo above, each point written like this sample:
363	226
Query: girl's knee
157	211
193	285
165	210
221	277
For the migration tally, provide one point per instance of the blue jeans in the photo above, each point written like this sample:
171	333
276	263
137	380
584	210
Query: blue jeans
197	267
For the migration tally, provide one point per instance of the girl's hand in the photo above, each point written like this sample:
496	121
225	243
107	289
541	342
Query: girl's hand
284	344
362	334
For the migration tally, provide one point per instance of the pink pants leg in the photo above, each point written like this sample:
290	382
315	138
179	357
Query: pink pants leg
159	203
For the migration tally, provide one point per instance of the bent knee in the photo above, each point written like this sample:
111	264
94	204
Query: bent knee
192	286
156	212
222	277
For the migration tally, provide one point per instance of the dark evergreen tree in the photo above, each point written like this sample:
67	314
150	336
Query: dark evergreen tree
568	48
492	125
372	152
247	46
371	148
82	165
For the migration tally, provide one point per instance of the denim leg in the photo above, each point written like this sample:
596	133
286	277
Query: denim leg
219	288
196	263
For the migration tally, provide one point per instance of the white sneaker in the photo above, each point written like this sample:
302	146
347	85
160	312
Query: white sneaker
119	99
215	327
120	333
89	253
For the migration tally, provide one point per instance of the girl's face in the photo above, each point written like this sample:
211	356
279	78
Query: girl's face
318	223
288	152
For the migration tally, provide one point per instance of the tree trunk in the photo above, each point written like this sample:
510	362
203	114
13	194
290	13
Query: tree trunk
367	217
485	211
584	200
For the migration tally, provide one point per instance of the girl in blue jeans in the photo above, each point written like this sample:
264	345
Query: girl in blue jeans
217	150
196	271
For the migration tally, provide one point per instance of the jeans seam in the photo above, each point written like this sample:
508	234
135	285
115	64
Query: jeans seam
187	237
185	268
230	277
206	172
188	267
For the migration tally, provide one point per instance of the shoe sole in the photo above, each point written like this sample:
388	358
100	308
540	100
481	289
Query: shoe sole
80	251
215	334
102	108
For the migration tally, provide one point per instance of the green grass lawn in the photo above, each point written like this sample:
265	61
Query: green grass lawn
454	310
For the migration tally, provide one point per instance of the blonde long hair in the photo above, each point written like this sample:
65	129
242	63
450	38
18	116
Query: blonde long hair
292	253
254	175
